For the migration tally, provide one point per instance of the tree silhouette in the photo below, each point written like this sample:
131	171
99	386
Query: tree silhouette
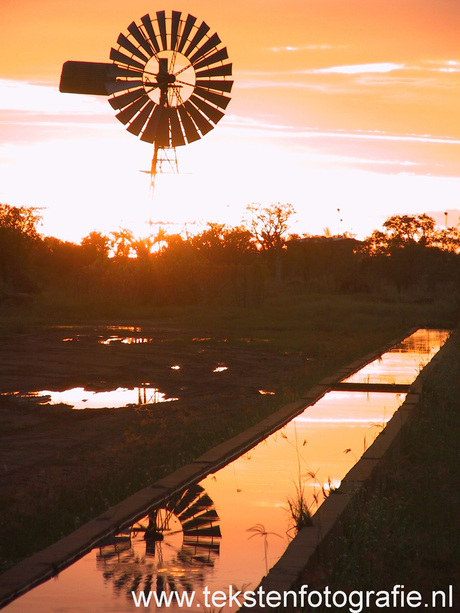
402	230
23	220
220	244
96	246
269	225
19	244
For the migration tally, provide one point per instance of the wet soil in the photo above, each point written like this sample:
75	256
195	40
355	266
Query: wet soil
35	438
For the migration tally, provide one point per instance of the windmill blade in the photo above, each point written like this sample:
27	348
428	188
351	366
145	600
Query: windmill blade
161	18
206	518
219	56
124	42
200	532
193	544
210	111
202	123
119	57
202	30
139	122
134	30
151	127
212	42
86	78
195	522
177	136
147	23
189	23
223	86
119	102
179	503
210	515
217	99
201	504
175	28
128	113
191	133
219	71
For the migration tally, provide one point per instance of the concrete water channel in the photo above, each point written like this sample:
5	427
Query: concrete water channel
231	527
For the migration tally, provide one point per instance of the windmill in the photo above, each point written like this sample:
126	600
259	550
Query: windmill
181	543
168	81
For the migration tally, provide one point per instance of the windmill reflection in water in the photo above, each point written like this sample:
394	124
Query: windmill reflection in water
170	549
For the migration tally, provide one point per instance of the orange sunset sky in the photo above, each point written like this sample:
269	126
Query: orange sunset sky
337	104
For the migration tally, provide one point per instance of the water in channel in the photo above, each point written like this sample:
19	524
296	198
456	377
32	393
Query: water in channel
230	528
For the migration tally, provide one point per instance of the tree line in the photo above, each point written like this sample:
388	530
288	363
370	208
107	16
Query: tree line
234	264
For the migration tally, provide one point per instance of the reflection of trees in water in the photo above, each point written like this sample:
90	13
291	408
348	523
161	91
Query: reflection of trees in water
421	342
171	549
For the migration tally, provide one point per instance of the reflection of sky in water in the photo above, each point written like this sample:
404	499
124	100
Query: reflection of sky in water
126	340
402	364
79	398
315	449
107	339
253	489
310	451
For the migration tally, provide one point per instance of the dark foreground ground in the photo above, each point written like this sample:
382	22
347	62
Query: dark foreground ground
60	467
49	454
203	374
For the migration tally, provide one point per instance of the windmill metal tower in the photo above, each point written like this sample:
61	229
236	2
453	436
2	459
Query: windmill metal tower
168	81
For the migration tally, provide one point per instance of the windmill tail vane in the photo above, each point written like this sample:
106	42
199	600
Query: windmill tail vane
168	80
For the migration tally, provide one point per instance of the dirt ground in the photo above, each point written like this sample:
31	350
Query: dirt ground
34	436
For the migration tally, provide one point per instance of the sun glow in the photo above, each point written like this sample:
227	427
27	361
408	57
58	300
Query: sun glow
322	117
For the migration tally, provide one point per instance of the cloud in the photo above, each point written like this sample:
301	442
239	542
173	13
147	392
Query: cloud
32	97
445	66
265	128
358	68
250	79
31	112
323	47
270	128
381	152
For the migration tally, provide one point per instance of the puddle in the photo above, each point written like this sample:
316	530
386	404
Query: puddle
220	368
80	398
126	340
115	334
229	529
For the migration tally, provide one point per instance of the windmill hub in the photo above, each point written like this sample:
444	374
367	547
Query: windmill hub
164	79
169	74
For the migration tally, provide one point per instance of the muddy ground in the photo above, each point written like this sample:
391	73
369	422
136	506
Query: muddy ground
36	437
